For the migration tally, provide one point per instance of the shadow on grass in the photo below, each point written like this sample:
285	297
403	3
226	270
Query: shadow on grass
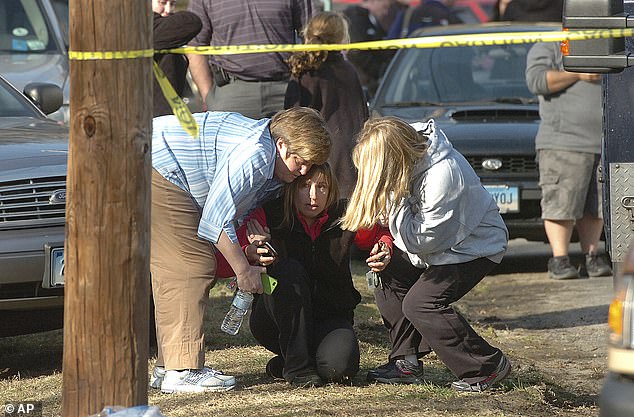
574	317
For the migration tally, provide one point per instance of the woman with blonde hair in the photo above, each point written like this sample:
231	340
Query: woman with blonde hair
325	81
439	213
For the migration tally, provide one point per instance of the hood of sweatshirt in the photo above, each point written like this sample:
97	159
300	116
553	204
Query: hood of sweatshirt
439	146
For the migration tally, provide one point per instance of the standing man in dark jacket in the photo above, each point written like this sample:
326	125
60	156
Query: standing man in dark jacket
366	25
251	84
433	13
171	30
534	10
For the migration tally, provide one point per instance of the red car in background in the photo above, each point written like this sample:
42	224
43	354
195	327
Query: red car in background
469	11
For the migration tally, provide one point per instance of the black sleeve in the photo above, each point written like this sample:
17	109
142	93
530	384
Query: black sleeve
175	30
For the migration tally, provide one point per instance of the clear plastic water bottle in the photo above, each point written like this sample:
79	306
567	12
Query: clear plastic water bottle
239	307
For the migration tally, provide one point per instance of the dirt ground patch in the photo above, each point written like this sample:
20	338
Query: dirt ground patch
554	332
555	328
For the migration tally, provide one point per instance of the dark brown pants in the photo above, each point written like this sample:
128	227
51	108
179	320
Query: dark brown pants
427	307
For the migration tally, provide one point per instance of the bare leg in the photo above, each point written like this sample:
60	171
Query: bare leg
589	229
559	233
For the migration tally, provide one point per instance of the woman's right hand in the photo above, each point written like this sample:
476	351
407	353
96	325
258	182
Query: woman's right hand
250	280
257	233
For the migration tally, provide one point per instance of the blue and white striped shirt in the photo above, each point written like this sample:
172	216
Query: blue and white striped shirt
228	170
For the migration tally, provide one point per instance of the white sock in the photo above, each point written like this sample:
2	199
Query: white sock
413	359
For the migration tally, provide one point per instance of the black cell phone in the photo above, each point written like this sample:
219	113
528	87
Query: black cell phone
270	248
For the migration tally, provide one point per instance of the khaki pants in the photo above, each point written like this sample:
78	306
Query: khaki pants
183	268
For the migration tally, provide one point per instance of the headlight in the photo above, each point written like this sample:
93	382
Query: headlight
621	315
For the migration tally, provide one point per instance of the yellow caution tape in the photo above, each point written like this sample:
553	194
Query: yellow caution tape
180	109
186	118
90	56
482	39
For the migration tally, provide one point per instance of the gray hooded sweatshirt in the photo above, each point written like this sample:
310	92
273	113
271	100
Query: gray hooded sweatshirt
449	217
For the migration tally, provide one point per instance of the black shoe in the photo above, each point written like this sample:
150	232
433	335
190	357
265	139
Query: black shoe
275	368
597	266
307	379
501	372
400	371
559	268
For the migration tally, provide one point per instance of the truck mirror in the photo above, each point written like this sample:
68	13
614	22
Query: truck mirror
596	55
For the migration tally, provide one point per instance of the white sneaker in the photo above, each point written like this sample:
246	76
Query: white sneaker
156	379
196	380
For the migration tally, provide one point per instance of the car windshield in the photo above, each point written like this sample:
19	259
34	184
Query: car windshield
458	74
13	105
24	28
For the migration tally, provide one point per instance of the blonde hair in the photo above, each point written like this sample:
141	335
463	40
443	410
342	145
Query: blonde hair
323	171
323	28
387	150
304	132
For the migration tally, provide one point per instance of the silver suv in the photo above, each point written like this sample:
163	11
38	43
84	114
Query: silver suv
34	45
33	154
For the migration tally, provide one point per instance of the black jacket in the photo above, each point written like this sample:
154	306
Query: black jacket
172	31
534	10
326	260
369	64
432	13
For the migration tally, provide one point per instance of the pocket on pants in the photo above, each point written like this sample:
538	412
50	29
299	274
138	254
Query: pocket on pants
546	180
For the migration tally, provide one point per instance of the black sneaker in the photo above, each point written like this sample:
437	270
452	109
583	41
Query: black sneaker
400	371
307	379
559	268
275	368
501	372
597	266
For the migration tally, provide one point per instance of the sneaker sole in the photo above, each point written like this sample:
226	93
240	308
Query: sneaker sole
197	389
396	381
570	275
604	273
499	377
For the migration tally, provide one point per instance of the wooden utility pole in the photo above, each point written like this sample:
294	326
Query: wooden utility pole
108	209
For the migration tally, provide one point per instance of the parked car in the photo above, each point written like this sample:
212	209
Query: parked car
33	47
478	96
33	154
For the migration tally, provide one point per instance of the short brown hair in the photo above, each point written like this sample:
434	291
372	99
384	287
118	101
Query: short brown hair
304	132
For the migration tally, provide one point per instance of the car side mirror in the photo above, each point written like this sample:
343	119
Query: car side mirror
47	97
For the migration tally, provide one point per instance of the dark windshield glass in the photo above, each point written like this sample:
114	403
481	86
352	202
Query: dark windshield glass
13	105
450	75
24	28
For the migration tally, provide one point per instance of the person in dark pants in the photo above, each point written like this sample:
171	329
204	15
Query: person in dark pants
440	214
408	345
307	321
171	30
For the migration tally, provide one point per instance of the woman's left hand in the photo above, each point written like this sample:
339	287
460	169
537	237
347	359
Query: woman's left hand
379	258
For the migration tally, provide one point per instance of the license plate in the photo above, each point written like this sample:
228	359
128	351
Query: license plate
506	197
56	267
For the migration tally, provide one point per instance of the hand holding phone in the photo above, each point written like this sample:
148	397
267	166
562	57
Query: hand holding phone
272	252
